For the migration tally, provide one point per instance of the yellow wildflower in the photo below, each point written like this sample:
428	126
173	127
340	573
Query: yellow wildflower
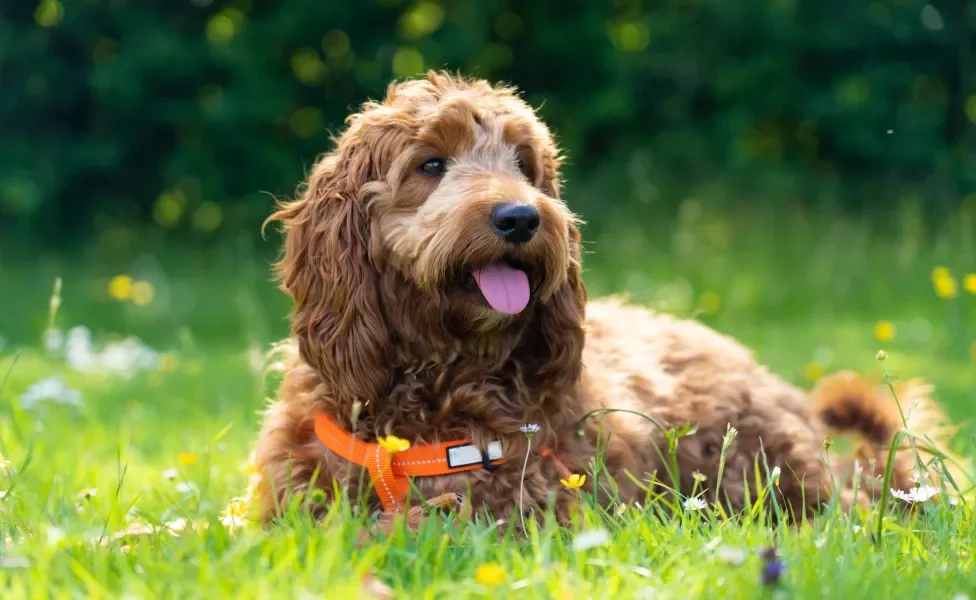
699	476
969	283
393	444
944	283
186	458
143	293
490	574
235	514
813	371
574	482
120	288
884	331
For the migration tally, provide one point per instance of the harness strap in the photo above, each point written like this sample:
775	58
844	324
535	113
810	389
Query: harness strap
390	472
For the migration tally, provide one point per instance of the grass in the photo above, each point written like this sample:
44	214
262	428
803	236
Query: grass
806	293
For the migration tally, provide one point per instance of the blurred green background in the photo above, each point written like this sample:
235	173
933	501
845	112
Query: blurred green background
799	174
186	114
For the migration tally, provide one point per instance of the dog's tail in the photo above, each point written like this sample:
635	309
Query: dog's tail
848	404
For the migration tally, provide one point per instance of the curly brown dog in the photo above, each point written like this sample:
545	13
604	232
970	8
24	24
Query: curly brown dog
435	274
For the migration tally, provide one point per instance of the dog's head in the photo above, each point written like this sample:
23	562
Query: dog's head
434	223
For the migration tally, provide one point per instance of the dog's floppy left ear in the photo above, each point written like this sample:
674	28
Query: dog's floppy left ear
330	273
561	319
561	322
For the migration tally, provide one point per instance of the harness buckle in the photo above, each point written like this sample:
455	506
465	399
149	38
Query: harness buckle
486	462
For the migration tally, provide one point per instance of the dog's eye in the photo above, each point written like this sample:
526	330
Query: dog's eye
434	167
525	165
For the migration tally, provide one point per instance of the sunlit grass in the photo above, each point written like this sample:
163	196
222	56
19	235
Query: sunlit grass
165	441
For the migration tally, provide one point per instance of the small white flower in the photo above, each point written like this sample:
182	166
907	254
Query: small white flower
235	514
530	428
3	494
53	389
820	541
592	538
232	522
54	535
917	475
170	474
87	493
920	493
53	340
730	555
695	504
185	487
774	474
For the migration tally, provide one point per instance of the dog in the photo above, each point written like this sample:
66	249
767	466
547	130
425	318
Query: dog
439	303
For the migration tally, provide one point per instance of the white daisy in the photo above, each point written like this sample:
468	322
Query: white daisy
530	428
170	474
920	493
695	504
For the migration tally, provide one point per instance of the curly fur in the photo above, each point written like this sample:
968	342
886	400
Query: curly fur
386	342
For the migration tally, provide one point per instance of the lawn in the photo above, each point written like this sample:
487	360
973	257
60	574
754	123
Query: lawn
156	428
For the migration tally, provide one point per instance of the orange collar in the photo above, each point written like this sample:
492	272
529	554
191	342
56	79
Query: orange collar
389	471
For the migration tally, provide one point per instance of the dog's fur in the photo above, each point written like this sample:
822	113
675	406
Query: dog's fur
387	340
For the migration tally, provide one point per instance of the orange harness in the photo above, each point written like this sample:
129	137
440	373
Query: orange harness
389	472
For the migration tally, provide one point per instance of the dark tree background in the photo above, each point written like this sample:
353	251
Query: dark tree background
188	114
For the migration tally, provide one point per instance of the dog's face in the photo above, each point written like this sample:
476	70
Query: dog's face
467	207
438	214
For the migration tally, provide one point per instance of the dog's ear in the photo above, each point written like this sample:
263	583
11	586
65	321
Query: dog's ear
329	270
561	322
561	319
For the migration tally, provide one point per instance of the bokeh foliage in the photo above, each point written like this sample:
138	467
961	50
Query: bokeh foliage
187	114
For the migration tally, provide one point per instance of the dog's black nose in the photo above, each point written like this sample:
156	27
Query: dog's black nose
515	223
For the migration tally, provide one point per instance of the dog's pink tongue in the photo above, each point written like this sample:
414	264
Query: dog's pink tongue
506	289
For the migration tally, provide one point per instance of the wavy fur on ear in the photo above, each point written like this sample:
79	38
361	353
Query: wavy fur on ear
561	322
329	270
